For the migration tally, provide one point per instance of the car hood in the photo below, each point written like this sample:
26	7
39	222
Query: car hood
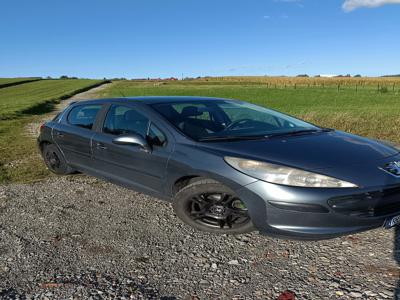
333	149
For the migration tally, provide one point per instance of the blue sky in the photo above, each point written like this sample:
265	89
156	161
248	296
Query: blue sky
149	38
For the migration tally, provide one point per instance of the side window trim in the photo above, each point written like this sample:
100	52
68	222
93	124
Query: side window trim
151	123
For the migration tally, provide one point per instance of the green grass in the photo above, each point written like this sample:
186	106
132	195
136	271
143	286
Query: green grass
13	81
366	112
19	106
32	97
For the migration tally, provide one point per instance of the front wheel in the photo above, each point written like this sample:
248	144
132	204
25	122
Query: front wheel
209	206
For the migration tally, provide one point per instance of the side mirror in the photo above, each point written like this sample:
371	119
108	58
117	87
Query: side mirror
132	140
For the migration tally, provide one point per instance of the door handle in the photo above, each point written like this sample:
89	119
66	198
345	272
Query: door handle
100	146
59	134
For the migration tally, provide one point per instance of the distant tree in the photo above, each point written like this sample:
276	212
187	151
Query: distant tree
302	75
317	76
63	77
358	75
49	77
395	75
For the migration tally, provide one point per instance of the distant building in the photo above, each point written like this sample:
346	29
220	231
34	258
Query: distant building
328	75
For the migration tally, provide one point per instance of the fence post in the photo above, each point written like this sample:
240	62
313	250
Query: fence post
295	86
356	88
338	87
393	86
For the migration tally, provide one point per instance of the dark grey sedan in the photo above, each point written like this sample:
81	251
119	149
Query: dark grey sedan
229	166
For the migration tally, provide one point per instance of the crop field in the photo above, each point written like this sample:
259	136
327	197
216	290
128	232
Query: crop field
28	97
4	82
354	83
364	109
19	106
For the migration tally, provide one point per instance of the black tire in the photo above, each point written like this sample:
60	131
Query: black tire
55	160
207	205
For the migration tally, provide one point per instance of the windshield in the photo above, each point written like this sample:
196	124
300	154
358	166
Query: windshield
220	119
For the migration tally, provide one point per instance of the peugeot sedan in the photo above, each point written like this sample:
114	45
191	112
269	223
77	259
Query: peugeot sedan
229	166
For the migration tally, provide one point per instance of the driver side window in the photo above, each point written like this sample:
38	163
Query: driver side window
122	119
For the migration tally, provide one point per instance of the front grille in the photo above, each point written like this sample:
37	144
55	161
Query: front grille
371	204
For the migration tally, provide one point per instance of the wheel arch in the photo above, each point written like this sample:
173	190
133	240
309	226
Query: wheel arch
255	204
44	143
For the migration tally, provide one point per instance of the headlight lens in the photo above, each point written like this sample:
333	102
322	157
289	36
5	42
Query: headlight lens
285	175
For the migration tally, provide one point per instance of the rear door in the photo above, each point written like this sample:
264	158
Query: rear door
74	133
127	164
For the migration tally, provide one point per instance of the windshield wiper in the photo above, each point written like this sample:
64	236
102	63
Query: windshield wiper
258	137
298	132
232	138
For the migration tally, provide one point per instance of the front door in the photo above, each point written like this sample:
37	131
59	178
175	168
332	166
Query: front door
127	164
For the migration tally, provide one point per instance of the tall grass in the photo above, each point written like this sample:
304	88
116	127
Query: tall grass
342	82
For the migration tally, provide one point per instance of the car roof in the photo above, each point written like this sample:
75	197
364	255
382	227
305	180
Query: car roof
152	99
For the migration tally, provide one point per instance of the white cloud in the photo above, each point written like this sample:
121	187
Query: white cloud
350	5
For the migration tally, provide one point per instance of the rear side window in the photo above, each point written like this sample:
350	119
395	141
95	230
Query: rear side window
84	115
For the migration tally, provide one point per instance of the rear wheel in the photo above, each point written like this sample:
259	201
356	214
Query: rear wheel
55	161
209	206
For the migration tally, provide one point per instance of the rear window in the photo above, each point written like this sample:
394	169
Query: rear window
84	115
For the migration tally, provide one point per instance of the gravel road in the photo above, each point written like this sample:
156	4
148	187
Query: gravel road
78	237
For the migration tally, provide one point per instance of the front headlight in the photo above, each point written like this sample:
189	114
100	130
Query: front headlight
285	175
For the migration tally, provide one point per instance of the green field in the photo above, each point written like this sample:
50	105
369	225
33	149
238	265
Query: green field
366	111
33	96
21	105
11	81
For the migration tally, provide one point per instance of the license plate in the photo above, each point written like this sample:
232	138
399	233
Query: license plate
391	222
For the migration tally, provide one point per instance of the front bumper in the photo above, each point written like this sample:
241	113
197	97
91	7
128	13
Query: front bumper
318	213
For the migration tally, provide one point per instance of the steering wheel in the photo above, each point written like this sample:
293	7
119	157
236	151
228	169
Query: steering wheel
237	123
